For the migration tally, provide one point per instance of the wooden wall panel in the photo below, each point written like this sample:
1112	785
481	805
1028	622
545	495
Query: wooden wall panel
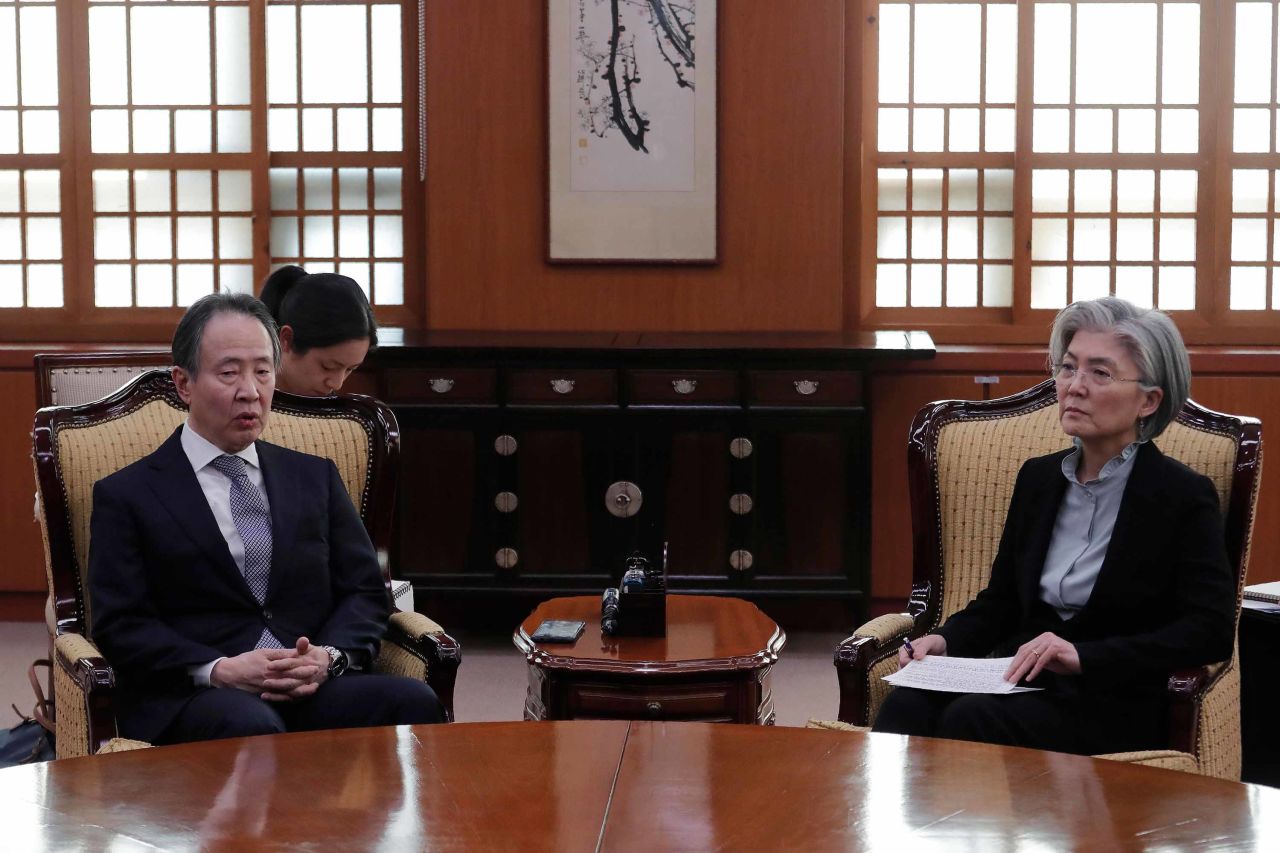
22	554
782	96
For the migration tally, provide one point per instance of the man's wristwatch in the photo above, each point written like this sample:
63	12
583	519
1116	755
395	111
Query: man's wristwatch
337	661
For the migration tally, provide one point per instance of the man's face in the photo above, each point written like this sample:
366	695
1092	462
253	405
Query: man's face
230	397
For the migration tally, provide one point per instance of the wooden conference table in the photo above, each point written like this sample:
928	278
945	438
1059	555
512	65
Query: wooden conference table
617	785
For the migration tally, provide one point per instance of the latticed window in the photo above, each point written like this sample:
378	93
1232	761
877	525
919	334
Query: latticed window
154	152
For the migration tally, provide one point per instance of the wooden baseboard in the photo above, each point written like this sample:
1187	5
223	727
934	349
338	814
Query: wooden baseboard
22	606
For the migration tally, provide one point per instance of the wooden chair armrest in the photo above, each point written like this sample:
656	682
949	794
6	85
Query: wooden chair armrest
85	690
1186	689
426	641
856	654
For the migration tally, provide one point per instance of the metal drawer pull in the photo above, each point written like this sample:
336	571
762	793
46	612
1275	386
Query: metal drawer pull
740	448
441	385
806	386
654	709
562	386
740	503
506	558
505	445
684	386
741	560
506	501
623	499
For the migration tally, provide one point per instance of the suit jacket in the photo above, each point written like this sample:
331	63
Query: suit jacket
1165	595
166	594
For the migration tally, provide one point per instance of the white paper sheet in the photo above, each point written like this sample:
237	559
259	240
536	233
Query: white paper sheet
957	675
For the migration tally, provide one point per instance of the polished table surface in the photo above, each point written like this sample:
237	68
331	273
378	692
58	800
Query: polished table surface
616	785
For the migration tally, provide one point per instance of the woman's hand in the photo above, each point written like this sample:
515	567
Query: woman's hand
1047	651
929	644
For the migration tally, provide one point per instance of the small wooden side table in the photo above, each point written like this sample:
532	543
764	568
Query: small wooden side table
712	666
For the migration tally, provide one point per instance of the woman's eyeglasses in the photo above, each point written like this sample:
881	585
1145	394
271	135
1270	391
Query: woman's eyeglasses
1098	377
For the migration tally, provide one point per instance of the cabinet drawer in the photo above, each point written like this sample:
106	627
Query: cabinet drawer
682	387
441	386
563	387
805	388
709	701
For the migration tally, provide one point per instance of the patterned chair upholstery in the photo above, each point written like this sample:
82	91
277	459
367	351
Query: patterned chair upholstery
963	458
75	446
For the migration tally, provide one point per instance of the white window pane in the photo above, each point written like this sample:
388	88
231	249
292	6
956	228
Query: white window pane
894	57
111	238
1092	240
108	44
353	189
1090	282
1177	289
1093	191
235	237
151	131
9	69
321	266
1002	53
891	237
10	238
1000	130
1093	131
1048	287
151	191
1049	189
997	188
1252	131
38	27
1135	190
284	237
235	278
9	191
1135	239
195	237
109	131
357	271
282	57
1180	80
155	285
40	132
194	281
317	238
1253	53
43	191
44	285
948	53
235	190
44	239
233	55
282	129
8	131
962	240
1180	131
353	236
353	129
1178	191
11	286
926	285
1116	52
1052	53
926	189
1135	284
335	60
997	238
235	135
318	188
386	53
1049	240
111	191
387	237
155	237
1177	240
962	189
1137	131
1248	239
386	188
891	189
891	130
997	285
1050	130
112	286
926	239
165	69
192	131
962	131
926	130
387	133
962	285
891	285
1249	189
388	283
195	190
317	129
1248	289
284	189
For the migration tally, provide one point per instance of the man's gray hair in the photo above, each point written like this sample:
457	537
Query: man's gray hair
1152	340
190	331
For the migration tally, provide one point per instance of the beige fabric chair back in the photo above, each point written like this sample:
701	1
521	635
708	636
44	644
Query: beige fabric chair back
72	386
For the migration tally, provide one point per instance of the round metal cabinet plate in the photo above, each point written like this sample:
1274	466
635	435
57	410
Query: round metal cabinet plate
623	499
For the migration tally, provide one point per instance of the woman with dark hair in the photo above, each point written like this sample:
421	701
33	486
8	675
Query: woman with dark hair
326	328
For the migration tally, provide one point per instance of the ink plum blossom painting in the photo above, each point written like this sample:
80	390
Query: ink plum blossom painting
632	122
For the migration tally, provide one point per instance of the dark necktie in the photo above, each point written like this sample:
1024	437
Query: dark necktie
253	523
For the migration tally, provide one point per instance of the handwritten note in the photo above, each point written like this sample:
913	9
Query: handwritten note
957	675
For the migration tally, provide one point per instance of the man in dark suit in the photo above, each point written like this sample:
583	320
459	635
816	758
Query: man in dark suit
234	589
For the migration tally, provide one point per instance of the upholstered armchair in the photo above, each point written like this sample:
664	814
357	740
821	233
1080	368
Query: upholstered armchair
75	446
963	458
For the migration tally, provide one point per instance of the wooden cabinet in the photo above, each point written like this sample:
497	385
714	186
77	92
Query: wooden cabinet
534	464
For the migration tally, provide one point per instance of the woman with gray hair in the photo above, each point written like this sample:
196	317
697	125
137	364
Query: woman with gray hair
1112	570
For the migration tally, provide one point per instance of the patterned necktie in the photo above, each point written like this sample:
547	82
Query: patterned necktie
253	523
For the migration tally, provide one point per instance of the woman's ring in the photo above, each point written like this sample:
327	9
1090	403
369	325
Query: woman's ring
1035	652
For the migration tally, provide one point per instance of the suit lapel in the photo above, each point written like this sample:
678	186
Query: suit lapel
283	495
175	484
1045	502
1136	507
